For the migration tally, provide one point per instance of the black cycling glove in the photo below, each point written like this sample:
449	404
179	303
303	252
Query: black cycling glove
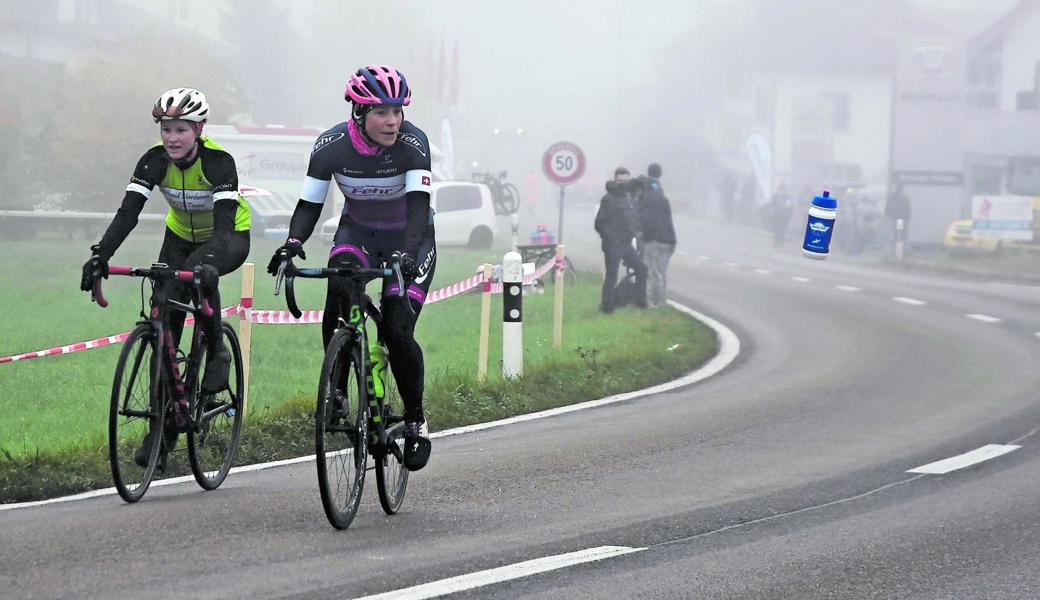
409	269
290	249
92	269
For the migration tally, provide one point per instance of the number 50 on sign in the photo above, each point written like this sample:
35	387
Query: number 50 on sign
563	163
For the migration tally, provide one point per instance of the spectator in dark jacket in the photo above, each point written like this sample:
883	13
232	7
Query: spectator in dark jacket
617	223
653	172
655	213
780	210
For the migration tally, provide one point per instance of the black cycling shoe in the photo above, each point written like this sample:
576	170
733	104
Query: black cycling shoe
145	449
218	368
417	446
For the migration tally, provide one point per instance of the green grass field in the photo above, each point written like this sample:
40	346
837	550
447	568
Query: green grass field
52	403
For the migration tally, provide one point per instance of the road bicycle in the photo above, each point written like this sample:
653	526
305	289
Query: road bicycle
359	410
504	194
157	390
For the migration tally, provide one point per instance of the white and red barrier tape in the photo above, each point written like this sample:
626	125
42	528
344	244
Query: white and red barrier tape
280	317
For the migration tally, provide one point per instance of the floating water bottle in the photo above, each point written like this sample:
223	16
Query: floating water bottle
822	212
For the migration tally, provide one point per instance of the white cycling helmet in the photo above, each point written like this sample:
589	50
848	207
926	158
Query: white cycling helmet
181	103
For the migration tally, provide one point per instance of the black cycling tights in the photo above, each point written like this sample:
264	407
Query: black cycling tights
218	257
397	331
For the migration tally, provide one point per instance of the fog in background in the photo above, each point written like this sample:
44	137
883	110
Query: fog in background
630	83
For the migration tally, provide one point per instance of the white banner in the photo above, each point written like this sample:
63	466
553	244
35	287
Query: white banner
1002	217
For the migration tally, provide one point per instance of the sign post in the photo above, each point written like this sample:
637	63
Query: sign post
563	163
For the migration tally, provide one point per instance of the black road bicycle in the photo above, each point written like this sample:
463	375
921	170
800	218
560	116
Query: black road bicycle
359	410
157	391
504	194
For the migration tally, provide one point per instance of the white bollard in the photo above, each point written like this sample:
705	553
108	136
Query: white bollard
514	219
899	240
512	316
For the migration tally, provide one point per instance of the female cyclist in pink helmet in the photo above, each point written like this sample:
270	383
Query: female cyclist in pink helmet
381	163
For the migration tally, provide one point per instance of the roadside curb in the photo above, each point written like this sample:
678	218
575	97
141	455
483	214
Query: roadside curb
728	350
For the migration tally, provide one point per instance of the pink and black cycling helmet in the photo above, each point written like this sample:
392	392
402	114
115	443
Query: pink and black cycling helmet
378	84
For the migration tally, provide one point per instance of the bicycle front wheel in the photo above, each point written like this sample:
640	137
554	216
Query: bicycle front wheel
218	419
134	418
341	429
391	476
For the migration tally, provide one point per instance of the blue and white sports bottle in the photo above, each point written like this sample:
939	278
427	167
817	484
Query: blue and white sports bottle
818	231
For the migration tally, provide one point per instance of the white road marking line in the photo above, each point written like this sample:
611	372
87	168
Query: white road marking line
984	318
731	264
702	257
729	349
910	301
802	279
683	252
847	288
506	573
763	271
941	467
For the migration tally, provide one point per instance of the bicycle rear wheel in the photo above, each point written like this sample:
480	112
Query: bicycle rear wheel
135	414
341	429
391	476
211	449
510	199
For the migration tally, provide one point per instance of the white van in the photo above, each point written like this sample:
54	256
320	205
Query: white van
464	215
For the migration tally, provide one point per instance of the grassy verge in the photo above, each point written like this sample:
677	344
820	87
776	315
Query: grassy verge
53	410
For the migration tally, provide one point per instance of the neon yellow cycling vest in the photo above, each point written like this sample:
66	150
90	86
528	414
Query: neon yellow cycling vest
190	196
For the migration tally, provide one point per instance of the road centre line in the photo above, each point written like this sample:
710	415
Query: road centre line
941	467
910	301
802	279
983	318
507	573
847	288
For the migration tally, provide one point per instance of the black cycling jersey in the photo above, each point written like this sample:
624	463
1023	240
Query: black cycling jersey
387	191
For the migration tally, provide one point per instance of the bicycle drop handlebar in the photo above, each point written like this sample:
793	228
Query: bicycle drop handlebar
288	272
156	273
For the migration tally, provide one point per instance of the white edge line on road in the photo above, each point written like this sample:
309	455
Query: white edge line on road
763	271
847	288
983	318
702	257
506	573
731	264
910	301
729	348
801	279
941	467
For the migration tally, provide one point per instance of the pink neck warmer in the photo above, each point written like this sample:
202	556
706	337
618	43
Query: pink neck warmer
362	146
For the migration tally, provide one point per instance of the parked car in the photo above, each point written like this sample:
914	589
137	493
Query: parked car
960	239
270	212
464	215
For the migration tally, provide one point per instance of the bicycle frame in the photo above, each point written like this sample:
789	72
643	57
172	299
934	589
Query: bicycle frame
159	318
358	312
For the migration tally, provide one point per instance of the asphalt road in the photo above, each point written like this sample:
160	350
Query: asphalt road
784	476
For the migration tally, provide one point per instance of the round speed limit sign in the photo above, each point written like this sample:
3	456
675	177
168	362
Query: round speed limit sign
564	163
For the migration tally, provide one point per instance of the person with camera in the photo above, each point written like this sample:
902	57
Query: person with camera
617	223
